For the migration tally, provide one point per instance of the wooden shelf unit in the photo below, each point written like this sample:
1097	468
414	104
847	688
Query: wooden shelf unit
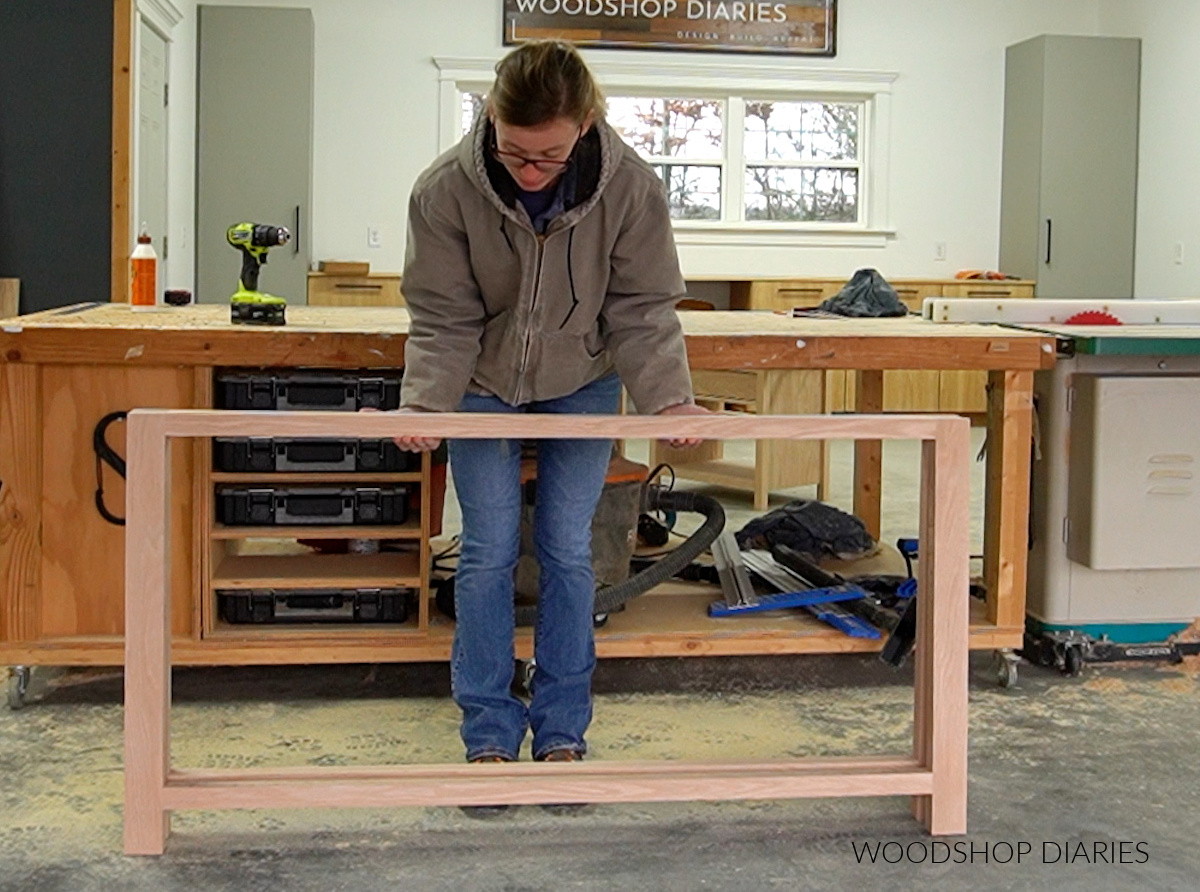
382	570
411	530
281	567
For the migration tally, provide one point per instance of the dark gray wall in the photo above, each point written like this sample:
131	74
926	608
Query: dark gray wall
55	149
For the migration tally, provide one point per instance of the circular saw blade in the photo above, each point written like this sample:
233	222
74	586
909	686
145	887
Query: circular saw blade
1092	317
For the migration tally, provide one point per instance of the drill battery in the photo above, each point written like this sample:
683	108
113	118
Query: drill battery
319	505
258	312
331	605
267	455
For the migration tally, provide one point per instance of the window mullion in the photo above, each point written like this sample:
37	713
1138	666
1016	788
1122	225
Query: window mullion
733	174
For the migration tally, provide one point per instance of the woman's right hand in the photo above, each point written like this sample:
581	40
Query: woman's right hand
412	444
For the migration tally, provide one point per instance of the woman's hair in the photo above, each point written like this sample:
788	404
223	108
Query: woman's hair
543	80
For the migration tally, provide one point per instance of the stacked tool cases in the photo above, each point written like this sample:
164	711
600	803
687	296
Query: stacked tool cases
314	605
291	390
320	531
266	454
244	506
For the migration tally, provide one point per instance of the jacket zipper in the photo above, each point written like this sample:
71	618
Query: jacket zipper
537	287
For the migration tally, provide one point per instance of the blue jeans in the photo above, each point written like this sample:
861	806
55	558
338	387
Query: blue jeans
570	476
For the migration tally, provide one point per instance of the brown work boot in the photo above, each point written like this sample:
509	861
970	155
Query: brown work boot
563	755
485	811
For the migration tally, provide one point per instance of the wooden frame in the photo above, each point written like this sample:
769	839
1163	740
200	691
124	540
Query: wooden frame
934	775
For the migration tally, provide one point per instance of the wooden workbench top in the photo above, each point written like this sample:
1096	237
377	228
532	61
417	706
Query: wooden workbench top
373	337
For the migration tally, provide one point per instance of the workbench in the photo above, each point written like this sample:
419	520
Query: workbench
61	564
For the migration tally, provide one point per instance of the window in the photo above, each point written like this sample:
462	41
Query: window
748	153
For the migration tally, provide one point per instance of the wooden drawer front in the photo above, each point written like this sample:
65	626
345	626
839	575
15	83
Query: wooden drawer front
910	391
963	392
912	294
767	294
355	291
988	289
741	387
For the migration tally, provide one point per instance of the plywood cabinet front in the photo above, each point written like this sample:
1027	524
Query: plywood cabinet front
373	290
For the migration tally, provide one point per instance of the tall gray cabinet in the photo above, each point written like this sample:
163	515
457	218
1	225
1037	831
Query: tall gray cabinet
254	136
1069	180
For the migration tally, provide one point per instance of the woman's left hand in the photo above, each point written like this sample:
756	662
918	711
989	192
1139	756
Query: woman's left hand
685	409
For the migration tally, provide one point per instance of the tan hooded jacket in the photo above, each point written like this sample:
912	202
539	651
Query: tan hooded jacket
498	309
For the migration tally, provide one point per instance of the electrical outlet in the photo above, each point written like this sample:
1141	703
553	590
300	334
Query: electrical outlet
374	238
1178	253
939	250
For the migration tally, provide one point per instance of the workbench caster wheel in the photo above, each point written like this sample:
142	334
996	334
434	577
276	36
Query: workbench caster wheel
18	686
525	670
1007	664
1072	661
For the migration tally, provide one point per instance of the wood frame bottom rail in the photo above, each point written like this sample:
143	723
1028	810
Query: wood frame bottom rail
530	783
935	775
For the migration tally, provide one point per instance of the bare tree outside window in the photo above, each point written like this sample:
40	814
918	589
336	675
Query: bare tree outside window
669	133
472	108
802	161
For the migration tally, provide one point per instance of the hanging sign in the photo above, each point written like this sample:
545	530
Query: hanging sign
804	27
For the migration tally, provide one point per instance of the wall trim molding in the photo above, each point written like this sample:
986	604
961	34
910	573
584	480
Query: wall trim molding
163	15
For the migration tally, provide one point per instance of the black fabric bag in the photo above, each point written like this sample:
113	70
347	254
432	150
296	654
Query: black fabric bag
866	294
814	529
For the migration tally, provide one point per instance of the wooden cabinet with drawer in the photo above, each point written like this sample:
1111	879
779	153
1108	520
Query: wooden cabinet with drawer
778	464
903	391
372	290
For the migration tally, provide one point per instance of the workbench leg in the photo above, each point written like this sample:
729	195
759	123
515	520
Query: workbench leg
1006	501
868	454
147	637
21	436
940	673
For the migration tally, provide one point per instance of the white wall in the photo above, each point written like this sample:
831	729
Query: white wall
1168	171
181	150
375	121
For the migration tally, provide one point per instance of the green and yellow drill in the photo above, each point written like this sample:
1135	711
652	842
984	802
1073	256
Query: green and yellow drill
248	304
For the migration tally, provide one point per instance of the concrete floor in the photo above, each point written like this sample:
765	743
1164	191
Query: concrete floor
1061	765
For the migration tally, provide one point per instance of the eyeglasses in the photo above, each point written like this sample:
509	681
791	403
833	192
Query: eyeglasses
513	161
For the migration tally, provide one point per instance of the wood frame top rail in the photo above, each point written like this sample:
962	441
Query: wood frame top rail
934	776
732	426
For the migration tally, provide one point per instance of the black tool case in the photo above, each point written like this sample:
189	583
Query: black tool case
322	505
333	605
269	455
330	391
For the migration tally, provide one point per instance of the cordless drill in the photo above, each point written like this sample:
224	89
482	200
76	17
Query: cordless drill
248	304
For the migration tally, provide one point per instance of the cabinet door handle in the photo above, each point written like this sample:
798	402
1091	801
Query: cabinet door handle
296	233
1049	235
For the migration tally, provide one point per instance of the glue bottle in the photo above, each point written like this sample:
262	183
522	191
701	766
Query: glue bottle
143	266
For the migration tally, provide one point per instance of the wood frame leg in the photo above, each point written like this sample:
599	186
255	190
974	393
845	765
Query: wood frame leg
940	689
147	637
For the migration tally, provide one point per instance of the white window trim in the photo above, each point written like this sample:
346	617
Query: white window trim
736	78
